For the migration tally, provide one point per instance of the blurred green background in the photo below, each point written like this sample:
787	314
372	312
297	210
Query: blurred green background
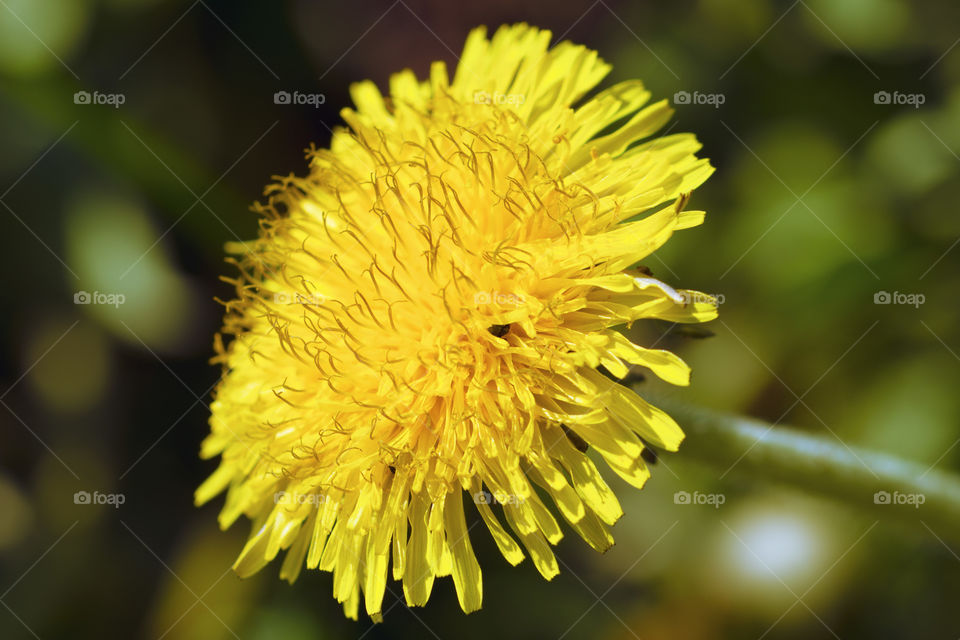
827	193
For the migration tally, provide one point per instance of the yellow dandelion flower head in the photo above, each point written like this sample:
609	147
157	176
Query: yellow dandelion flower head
423	315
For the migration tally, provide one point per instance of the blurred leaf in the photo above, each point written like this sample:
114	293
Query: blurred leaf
201	568
33	34
127	281
70	366
862	25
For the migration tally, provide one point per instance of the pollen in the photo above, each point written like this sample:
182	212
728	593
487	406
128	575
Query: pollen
418	329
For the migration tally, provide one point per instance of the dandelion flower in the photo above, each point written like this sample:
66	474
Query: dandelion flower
422	320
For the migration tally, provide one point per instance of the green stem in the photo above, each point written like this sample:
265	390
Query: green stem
822	465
